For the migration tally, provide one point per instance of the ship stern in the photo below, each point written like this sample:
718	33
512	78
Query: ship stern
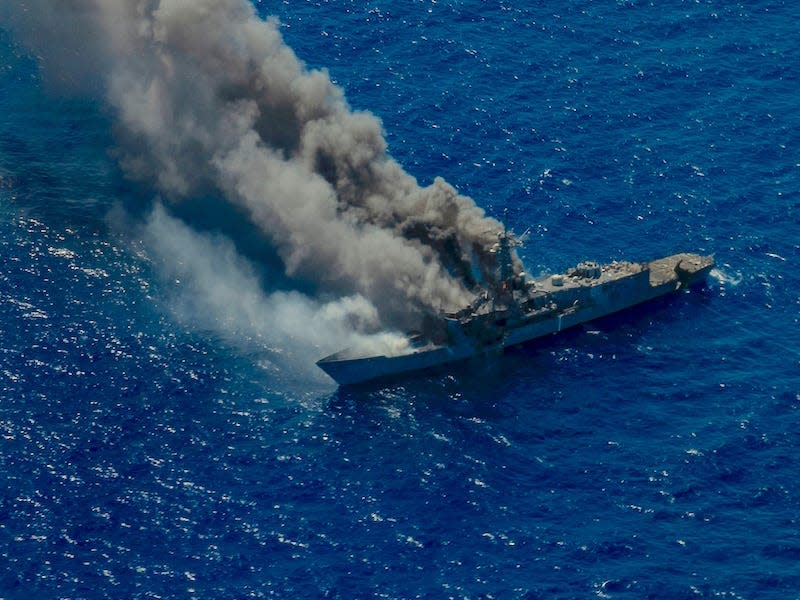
692	268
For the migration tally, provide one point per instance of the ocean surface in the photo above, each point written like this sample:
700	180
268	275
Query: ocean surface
653	454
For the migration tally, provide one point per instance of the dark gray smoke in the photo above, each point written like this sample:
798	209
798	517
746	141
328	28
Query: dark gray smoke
208	97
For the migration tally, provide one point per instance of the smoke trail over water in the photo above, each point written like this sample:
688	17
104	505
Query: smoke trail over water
209	99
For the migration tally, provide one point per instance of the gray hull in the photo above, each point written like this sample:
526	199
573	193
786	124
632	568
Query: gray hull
560	302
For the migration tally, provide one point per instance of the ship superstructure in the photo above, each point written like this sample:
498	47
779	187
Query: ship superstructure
514	309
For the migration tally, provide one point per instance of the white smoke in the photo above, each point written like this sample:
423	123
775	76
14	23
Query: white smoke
209	99
215	288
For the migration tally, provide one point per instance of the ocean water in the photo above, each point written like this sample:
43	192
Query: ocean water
652	454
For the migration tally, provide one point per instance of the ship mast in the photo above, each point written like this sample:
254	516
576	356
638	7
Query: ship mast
506	279
503	292
505	263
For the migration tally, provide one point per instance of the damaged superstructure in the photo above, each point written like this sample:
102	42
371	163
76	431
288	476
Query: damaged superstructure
514	309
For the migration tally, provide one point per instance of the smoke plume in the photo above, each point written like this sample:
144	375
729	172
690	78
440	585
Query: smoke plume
208	99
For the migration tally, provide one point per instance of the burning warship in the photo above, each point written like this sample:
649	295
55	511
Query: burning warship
514	309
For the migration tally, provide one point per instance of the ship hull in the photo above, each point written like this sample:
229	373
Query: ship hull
359	370
656	278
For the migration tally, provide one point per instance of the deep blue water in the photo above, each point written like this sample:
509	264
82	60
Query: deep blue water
653	454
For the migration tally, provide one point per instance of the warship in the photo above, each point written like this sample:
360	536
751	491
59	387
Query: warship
515	309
